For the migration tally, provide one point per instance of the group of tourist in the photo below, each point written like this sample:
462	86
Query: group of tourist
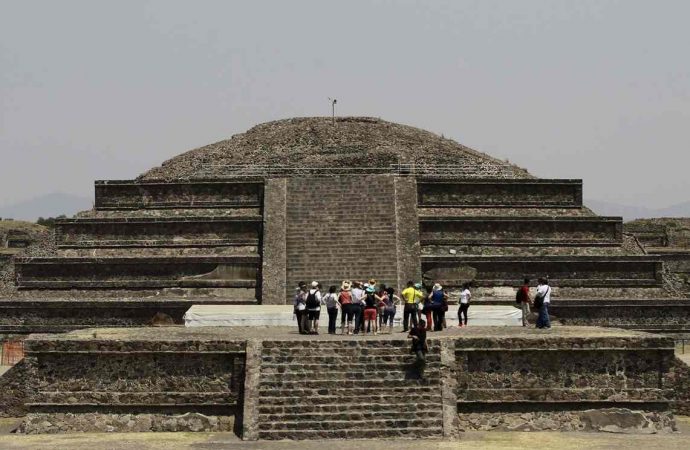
541	302
371	308
367	307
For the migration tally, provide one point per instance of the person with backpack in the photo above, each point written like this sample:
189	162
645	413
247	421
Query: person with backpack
345	301
542	300
300	307
464	304
313	303
522	299
371	305
330	300
437	298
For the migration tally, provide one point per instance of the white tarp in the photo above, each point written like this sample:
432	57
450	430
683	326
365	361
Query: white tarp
281	315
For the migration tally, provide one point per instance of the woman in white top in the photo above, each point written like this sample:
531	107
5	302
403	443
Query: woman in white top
465	296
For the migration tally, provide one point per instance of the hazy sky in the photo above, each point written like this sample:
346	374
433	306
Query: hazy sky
598	90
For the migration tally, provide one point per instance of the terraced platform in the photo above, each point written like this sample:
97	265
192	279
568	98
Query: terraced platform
271	383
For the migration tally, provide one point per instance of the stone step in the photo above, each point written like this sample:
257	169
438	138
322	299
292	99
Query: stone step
334	384
354	433
326	360
271	368
353	416
402	345
411	390
378	403
332	425
398	374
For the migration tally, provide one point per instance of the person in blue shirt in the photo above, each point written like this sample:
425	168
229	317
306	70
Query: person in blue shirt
437	300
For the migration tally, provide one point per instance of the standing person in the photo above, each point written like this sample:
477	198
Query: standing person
542	300
522	298
465	296
437	298
313	308
382	292
300	307
411	296
357	298
419	347
427	310
345	300
390	303
371	304
332	304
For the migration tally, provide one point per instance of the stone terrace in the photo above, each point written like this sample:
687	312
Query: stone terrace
161	379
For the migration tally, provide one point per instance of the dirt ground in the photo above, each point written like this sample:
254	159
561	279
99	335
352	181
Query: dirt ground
474	440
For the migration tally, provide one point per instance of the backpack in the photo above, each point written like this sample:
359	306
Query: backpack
312	301
518	297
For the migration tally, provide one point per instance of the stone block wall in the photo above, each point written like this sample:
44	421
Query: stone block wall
71	273
565	271
141	383
133	194
510	193
153	232
341	227
521	231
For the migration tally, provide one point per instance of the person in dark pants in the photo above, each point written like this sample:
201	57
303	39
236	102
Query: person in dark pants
419	347
465	296
331	302
437	298
357	299
411	297
345	300
542	300
300	307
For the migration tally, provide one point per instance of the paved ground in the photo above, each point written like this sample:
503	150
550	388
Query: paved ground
180	333
474	441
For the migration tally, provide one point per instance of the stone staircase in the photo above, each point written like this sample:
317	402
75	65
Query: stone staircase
340	228
352	389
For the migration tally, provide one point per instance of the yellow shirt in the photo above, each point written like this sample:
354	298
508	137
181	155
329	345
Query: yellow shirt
411	295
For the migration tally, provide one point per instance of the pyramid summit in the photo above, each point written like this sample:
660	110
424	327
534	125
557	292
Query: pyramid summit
320	142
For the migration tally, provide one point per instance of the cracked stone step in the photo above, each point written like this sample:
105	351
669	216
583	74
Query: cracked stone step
337	407
403	396
361	433
333	425
354	416
298	385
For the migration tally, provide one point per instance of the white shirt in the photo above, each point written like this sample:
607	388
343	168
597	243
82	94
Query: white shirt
318	298
465	296
357	296
544	290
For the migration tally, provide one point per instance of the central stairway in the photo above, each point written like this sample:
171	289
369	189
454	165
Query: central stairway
352	389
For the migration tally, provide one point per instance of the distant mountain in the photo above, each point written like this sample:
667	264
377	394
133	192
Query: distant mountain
637	212
49	205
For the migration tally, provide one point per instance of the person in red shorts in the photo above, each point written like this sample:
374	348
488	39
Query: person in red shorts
371	304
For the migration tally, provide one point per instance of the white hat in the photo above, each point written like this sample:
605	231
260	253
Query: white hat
314	284
437	287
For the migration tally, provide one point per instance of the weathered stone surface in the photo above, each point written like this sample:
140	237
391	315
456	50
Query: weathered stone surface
614	420
274	284
119	423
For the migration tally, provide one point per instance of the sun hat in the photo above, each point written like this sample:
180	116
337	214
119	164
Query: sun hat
345	286
314	284
437	287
